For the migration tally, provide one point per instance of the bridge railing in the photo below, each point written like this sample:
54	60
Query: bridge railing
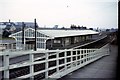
55	64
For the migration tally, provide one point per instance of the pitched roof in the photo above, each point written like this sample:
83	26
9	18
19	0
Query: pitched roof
61	33
66	33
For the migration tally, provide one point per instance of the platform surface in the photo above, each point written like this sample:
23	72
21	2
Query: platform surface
104	68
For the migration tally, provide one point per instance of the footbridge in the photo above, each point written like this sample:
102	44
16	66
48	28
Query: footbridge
44	64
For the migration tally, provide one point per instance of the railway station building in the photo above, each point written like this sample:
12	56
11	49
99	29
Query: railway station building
52	39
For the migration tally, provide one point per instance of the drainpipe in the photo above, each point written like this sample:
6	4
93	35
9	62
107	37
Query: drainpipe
35	48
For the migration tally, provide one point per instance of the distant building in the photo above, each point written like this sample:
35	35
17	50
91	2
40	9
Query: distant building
2	27
56	26
12	27
52	39
113	30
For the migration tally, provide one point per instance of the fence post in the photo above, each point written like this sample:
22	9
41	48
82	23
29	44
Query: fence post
31	57
46	65
109	49
57	63
76	57
65	59
6	66
80	56
71	58
84	55
8	46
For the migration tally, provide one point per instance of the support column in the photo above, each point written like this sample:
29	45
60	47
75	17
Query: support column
6	66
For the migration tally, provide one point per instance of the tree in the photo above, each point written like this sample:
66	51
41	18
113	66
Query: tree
107	30
79	27
91	28
63	27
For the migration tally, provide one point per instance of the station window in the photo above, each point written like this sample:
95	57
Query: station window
57	41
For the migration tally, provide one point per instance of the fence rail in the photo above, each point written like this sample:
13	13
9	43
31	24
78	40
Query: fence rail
56	63
13	47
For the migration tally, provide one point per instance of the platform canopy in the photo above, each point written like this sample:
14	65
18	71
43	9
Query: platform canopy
60	33
66	33
44	35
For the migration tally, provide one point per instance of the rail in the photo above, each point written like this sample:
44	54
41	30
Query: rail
65	61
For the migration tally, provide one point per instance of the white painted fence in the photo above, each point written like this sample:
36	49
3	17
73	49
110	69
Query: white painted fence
66	61
12	47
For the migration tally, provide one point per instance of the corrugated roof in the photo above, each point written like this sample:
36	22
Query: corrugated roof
65	33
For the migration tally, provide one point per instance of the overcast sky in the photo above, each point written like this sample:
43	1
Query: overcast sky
90	13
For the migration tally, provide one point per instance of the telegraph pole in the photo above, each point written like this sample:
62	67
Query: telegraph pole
23	27
35	48
23	34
